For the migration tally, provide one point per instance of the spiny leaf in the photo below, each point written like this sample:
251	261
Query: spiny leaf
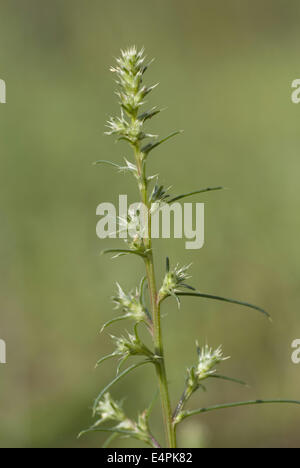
122	252
110	439
224	299
149	114
185	195
124	359
151	406
109	322
186	414
109	163
151	146
104	359
142	285
116	379
229	379
104	429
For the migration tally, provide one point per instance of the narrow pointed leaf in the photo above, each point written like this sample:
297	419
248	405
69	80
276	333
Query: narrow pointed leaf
151	146
122	251
109	322
151	406
115	380
185	195
187	286
109	440
224	299
109	163
186	414
104	359
148	115
124	359
104	429
141	288
229	379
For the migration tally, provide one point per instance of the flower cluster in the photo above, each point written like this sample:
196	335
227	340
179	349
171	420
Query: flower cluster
109	410
129	70
131	304
208	359
130	346
174	281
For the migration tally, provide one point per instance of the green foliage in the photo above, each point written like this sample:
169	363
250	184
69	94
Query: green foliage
129	126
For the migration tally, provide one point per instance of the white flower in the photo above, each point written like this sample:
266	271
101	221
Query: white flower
208	360
130	346
109	410
131	304
174	280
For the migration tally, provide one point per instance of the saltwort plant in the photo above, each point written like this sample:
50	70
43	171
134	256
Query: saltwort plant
131	127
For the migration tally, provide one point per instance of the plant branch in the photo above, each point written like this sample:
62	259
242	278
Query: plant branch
224	299
185	195
186	414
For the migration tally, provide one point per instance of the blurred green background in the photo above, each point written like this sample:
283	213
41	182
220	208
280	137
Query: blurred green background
225	71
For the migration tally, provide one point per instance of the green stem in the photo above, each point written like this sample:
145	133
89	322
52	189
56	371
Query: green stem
155	306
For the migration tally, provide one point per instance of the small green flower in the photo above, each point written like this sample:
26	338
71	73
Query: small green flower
109	410
131	304
208	360
130	346
139	429
131	131
174	282
129	71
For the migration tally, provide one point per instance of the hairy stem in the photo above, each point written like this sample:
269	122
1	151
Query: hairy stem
155	306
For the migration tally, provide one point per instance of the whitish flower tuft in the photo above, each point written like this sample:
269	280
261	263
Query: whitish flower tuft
109	410
131	304
130	346
174	281
208	360
129	72
130	131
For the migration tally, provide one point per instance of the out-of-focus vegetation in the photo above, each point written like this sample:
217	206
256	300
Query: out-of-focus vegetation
225	70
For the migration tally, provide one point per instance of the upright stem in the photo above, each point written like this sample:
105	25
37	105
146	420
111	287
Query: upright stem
155	306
